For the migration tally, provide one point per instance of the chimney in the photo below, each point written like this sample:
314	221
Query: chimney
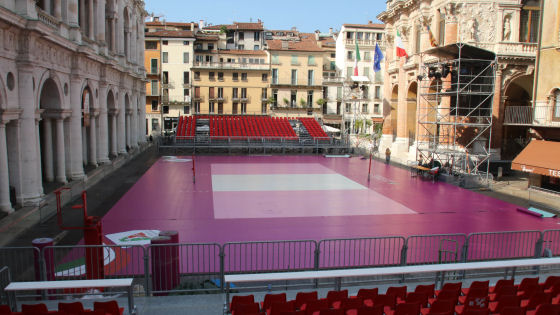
192	27
156	18
201	24
330	30
317	35
370	22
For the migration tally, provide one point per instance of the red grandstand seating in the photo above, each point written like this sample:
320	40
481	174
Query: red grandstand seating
272	298
503	290
475	292
5	310
536	300
368	295
512	310
314	307
398	292
314	129
302	298
439	307
109	307
529	290
549	282
351	303
331	312
546	309
71	308
473	302
367	310
389	302
499	284
428	289
450	295
417	297
505	300
477	285
34	309
335	298
247	309
276	308
239	300
527	283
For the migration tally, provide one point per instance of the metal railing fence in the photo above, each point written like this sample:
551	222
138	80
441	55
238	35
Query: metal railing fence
195	268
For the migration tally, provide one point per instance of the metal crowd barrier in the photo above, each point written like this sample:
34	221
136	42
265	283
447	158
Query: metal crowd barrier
202	267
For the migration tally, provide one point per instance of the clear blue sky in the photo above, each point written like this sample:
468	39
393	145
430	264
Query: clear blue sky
306	15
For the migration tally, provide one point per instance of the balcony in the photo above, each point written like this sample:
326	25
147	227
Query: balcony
511	48
218	98
333	80
198	98
231	65
152	93
167	85
539	116
48	19
364	42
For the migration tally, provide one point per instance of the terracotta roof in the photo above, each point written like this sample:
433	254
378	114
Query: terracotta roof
243	52
369	26
200	36
304	45
238	26
160	23
173	34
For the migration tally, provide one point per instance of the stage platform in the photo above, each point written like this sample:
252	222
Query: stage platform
265	198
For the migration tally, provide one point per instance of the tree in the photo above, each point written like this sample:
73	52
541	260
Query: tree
223	29
321	102
286	101
302	102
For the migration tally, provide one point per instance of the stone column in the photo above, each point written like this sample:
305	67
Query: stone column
82	14
121	124
142	119
91	14
60	154
497	113
103	144
48	150
30	157
92	140
77	167
48	6
57	9
119	30
73	13
127	124
5	205
101	21
114	139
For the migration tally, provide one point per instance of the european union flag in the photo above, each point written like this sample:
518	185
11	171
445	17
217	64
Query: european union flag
377	58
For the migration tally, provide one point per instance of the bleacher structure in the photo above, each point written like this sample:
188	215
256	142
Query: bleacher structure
251	132
455	110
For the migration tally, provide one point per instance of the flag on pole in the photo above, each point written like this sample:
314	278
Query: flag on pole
401	52
377	58
432	38
356	60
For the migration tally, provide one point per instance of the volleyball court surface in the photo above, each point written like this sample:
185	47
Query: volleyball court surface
262	198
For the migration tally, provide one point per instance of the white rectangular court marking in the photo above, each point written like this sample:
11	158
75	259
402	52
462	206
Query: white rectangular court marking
283	182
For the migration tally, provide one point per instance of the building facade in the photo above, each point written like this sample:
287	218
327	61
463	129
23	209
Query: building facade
296	75
240	35
359	101
507	28
71	92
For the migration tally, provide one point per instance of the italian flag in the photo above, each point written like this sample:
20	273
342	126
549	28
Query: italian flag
356	60
400	47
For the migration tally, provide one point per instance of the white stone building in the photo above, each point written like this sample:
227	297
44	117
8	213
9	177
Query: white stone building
71	90
364	102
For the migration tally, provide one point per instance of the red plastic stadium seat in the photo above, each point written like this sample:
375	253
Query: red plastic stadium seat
546	309
428	289
536	300
34	309
503	290
335	298
527	283
389	302
314	307
512	310
247	309
368	295
277	308
302	298
109	307
5	309
451	295
506	300
439	307
473	302
241	299
417	297
271	298
549	282
331	312
398	292
476	285
477	292
499	284
71	308
529	290
366	310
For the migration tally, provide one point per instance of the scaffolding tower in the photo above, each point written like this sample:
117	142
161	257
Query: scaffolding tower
455	108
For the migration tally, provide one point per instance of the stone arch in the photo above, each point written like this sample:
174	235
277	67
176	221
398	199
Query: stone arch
51	78
89	125
112	109
411	105
516	98
51	130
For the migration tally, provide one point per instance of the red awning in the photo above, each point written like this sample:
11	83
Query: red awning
539	157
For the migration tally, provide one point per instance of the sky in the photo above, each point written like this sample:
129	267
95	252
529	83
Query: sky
306	15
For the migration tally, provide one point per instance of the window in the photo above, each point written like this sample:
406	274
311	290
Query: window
220	92
155	124
243	92
234	107
165	77
293	98
197	92
311	61
151	45
154	66
186	43
294	60
220	108
348	107
244	76
366	35
274	76
339	92
211	92
197	76
166	109
211	76
164	42
220	76
364	108
256	47
186	110
377	92
243	108
379	77
379	36
241	36
197	107
367	55
366	71
275	60
235	76
165	57
529	25
154	105
263	108
209	58
211	107
349	35
186	96
155	88
333	65
186	57
294	77
349	55
310	77
441	34
186	76
264	77
309	98
376	108
275	97
338	106
210	46
257	36
365	91
240	47
556	110
350	72
264	93
235	93
359	35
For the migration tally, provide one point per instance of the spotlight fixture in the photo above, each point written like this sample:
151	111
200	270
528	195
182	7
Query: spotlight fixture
420	77
431	72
